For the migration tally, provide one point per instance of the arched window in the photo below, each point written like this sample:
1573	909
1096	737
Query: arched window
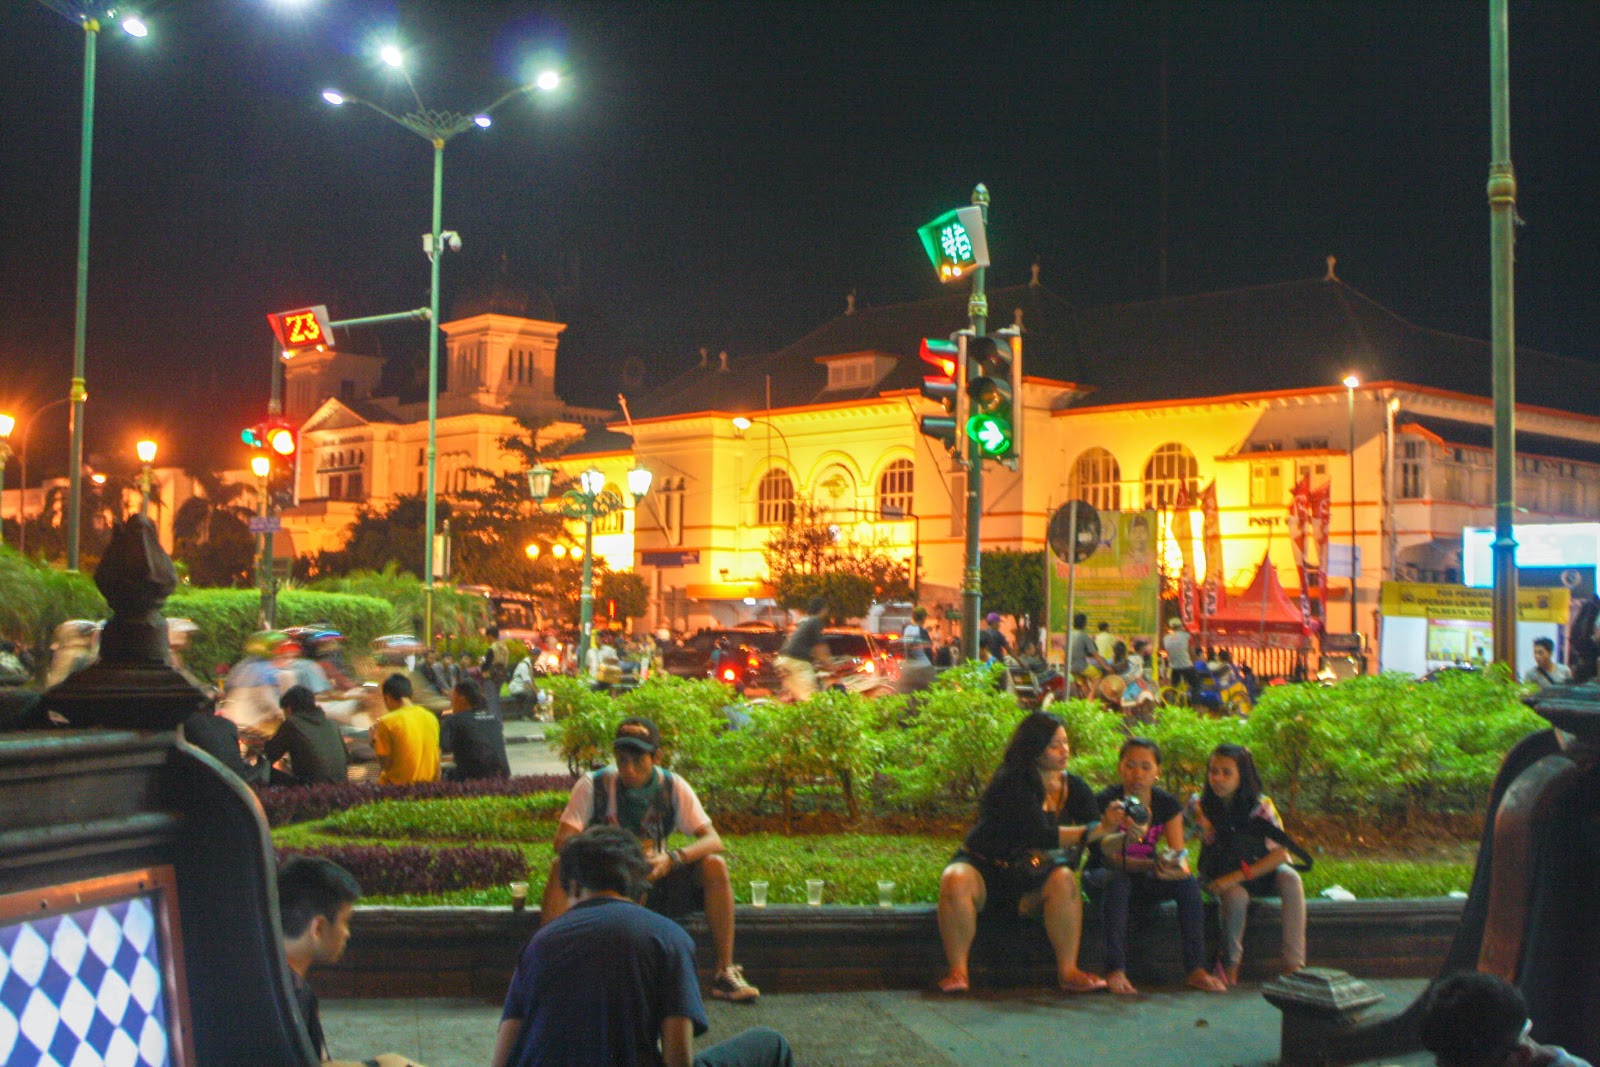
610	523
1168	468
894	490
1096	480
775	499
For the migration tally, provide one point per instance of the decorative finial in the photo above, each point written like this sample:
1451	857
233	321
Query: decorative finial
850	302
1330	276
1034	282
980	195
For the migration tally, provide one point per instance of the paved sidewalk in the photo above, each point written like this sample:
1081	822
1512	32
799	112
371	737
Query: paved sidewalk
878	1029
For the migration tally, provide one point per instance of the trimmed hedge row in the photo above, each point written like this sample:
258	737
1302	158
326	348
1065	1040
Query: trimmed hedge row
226	617
392	869
286	804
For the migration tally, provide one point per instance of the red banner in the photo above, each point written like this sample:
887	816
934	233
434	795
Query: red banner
1211	533
1183	533
1321	500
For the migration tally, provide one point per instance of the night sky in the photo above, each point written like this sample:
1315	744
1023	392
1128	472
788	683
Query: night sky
722	175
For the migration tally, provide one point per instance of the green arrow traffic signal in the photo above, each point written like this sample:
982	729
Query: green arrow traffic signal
992	432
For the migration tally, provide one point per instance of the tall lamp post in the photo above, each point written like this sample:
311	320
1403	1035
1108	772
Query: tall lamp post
89	17
7	424
590	501
437	128
261	467
147	456
1351	384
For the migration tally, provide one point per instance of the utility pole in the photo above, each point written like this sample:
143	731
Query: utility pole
1502	220
972	574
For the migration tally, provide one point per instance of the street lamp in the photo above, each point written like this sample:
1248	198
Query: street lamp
437	128
88	16
1351	384
7	424
147	456
590	501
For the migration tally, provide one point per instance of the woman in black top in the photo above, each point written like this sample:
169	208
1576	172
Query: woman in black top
1030	808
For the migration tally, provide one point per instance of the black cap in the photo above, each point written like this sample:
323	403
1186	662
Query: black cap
639	734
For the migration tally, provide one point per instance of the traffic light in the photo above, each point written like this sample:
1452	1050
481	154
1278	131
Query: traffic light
944	386
255	437
280	445
993	389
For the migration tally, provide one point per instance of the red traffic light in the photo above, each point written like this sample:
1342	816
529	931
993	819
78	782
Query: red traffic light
941	353
281	440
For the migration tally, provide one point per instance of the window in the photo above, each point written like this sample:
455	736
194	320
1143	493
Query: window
775	499
335	487
353	489
1170	467
1311	444
1096	480
1266	485
894	490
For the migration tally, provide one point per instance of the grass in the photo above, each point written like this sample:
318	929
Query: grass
850	864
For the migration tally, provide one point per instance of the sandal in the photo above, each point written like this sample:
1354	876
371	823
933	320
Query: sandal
1081	982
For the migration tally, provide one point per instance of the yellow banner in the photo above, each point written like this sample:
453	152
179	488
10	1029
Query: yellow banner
1420	600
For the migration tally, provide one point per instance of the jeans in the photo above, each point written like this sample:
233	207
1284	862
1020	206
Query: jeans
758	1047
1118	893
1235	905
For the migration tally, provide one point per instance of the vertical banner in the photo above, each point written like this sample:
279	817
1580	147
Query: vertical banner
1211	533
1321	515
1299	528
1119	584
1183	533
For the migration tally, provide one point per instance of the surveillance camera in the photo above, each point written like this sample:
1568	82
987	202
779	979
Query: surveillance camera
451	239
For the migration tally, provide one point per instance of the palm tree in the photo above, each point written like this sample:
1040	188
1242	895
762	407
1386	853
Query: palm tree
192	523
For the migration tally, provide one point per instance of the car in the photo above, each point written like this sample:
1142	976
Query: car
875	655
748	664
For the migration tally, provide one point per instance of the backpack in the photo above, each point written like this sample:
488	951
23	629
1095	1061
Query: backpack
521	682
659	818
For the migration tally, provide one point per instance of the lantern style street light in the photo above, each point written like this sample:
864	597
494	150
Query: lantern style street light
89	16
590	501
147	456
7	424
437	128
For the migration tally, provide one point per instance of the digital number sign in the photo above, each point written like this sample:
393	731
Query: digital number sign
956	243
302	328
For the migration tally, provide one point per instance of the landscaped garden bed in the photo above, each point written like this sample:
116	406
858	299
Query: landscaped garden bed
1384	779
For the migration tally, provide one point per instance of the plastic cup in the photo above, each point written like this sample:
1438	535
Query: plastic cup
885	893
519	896
758	894
814	892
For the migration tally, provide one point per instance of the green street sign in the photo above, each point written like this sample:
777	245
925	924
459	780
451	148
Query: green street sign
956	243
992	433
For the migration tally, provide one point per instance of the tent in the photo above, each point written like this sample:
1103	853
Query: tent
1262	616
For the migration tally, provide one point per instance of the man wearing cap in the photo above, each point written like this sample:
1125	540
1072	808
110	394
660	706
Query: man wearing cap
653	803
992	644
1178	645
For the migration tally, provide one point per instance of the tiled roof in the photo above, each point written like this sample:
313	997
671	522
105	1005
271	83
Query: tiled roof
1475	435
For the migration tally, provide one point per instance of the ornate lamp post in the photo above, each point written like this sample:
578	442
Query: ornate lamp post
147	456
7	424
261	467
590	501
437	128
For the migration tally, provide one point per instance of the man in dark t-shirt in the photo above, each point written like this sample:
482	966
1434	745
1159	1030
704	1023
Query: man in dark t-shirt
310	740
611	982
474	735
796	659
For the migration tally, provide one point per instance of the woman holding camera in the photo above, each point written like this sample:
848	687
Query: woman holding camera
1012	860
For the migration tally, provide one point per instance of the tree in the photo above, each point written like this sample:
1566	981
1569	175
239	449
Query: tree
814	557
211	533
376	539
497	520
1013	583
626	590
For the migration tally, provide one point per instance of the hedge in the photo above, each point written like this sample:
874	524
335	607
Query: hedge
226	617
390	869
286	804
35	598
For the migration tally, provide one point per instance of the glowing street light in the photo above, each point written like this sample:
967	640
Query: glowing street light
7	424
147	456
437	128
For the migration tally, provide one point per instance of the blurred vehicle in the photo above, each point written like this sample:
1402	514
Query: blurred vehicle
518	615
862	662
746	662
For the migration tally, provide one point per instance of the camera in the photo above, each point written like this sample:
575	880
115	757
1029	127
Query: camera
1137	813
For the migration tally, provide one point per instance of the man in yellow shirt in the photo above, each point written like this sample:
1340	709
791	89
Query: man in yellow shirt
407	739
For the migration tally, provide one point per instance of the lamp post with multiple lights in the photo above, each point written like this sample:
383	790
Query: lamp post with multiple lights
437	128
590	501
89	16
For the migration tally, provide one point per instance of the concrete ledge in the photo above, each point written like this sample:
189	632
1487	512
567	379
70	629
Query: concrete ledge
470	952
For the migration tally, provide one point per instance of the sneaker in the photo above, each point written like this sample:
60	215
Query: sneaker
730	985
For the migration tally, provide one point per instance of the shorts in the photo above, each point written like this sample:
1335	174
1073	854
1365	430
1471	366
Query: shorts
677	893
1005	886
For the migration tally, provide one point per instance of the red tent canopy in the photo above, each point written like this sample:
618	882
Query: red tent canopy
1262	616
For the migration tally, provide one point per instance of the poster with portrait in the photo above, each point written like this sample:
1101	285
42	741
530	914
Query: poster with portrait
1119	583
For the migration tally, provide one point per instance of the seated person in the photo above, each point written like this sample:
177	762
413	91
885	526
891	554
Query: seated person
311	741
474	735
1472	1019
219	737
1139	766
610	982
1030	808
653	803
406	740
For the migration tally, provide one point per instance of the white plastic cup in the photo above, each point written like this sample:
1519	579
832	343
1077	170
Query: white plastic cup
885	893
814	892
758	894
519	896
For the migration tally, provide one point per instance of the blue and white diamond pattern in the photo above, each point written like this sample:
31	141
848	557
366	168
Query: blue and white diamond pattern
84	990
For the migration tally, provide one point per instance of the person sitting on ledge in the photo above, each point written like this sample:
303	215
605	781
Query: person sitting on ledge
311	741
1473	1019
652	803
1010	860
610	982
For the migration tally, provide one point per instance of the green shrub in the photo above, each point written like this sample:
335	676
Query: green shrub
830	737
226	617
1095	733
35	598
1187	740
454	613
478	819
953	742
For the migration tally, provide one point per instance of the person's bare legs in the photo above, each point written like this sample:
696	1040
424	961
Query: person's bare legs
712	873
554	901
961	896
1062	907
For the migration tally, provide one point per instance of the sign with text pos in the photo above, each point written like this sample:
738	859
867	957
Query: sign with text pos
302	328
956	242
